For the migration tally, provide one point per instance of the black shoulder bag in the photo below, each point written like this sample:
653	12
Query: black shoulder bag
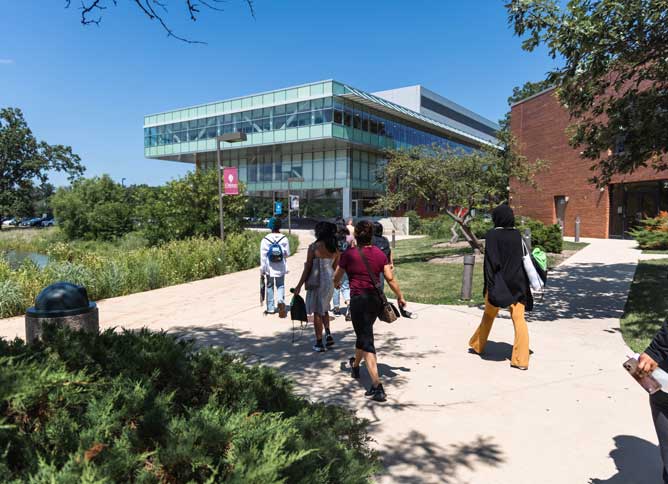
388	312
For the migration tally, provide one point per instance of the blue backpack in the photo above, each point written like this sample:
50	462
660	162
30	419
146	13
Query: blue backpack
275	251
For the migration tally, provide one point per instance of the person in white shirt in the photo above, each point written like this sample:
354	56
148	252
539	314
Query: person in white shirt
274	252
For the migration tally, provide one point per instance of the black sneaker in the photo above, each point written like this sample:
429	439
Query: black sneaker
379	394
349	316
318	347
354	370
329	341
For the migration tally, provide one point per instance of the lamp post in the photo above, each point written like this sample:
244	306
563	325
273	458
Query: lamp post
233	137
291	180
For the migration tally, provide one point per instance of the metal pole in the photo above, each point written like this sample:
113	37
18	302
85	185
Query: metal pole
577	229
220	192
467	277
527	238
289	210
394	239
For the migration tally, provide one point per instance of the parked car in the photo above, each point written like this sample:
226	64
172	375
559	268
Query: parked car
48	222
10	222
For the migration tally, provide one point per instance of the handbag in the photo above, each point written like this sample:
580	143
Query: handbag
388	311
313	279
535	281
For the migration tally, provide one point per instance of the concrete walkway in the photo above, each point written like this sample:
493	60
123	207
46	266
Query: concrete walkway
453	417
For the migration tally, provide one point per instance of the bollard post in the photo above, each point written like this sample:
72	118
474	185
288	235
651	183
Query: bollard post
467	277
394	239
577	229
527	238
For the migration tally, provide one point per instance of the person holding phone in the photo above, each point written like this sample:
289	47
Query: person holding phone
654	356
365	302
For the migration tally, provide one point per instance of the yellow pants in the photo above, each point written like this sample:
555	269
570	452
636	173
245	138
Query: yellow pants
520	355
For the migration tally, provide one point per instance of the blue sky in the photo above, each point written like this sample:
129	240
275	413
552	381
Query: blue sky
89	87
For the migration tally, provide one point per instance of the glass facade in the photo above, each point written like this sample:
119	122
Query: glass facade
268	168
331	135
364	125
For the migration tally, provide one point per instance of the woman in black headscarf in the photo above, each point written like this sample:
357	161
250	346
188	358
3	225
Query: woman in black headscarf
506	285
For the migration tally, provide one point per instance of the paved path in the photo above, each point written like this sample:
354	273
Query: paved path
453	417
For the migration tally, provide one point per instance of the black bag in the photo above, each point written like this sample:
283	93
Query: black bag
388	312
297	313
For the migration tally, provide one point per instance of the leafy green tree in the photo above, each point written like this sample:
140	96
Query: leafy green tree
614	79
93	209
188	207
450	178
25	163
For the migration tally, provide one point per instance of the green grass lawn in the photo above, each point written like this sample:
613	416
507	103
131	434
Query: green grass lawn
660	252
429	283
647	304
424	282
574	245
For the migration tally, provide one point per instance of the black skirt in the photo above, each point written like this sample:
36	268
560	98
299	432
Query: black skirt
364	309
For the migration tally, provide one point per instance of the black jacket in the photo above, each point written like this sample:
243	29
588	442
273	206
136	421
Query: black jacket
658	348
505	279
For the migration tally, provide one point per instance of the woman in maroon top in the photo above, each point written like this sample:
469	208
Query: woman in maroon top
365	303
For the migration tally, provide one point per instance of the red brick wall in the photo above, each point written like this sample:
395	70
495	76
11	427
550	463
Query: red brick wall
539	126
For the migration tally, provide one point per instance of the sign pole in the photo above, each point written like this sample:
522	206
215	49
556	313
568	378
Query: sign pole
289	210
220	192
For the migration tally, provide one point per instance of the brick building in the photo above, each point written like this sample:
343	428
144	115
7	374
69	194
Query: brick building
563	191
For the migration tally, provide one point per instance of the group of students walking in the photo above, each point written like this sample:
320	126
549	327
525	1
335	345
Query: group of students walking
345	263
352	263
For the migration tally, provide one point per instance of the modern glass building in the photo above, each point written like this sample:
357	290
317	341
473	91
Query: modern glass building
328	133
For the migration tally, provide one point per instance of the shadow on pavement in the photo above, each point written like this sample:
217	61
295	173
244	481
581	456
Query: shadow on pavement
584	291
414	456
322	376
637	460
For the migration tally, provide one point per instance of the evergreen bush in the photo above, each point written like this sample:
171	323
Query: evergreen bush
142	407
652	233
548	237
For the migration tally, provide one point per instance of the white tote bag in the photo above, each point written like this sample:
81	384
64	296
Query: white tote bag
535	281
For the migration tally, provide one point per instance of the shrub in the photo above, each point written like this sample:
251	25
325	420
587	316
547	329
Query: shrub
414	222
437	227
93	209
188	207
110	271
548	237
480	226
11	298
653	233
144	407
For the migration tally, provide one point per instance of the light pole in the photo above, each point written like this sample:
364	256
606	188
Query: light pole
233	137
291	180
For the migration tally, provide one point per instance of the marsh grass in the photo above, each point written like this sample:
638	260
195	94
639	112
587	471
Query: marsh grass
109	270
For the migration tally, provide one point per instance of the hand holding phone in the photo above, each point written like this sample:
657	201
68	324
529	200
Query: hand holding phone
648	382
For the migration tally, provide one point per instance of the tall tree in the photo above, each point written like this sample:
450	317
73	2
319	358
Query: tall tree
25	163
92	11
614	79
450	178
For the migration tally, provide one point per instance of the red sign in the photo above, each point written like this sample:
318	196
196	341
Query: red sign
231	180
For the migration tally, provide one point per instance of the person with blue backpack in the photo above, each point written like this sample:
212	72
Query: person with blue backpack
274	251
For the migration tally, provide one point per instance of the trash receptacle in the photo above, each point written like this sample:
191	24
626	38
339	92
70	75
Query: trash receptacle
65	304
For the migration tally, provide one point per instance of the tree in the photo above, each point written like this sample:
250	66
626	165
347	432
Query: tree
188	207
614	81
93	209
25	163
156	10
450	178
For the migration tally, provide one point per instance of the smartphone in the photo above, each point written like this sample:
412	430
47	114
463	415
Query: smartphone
648	382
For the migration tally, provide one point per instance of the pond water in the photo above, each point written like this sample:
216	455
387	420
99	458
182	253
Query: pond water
15	258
